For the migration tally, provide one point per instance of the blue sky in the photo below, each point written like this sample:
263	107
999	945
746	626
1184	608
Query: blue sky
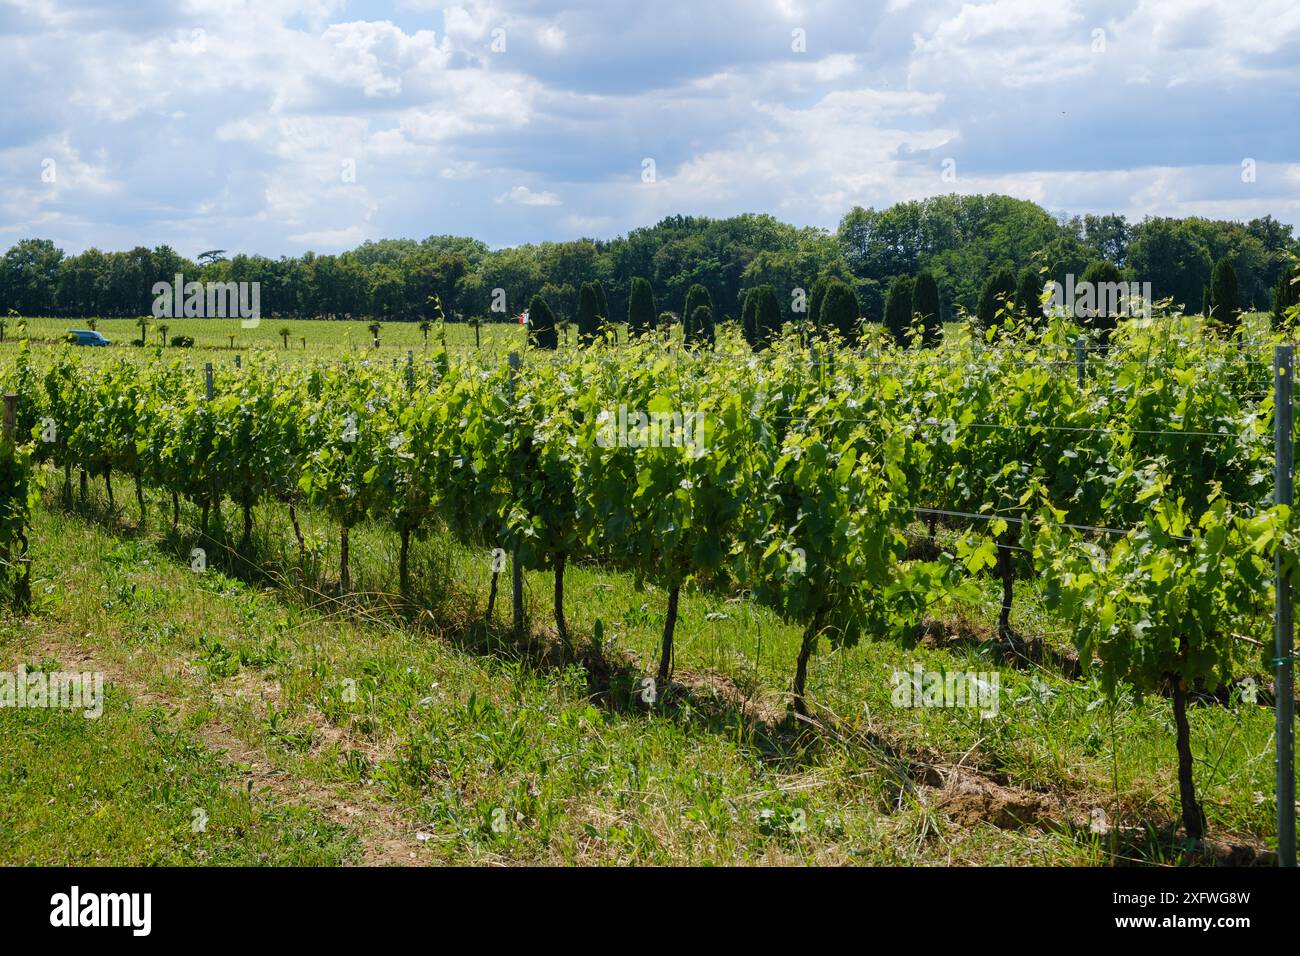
278	126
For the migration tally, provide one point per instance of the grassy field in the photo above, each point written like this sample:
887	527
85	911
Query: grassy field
313	336
322	338
301	727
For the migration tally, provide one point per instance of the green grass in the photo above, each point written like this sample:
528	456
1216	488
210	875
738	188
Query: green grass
321	337
370	733
128	789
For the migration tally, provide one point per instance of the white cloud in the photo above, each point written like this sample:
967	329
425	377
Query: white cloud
552	39
228	123
331	238
524	196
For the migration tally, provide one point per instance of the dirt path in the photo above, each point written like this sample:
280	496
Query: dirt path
384	837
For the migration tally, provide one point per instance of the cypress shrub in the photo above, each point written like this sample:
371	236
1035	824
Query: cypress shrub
588	314
839	310
640	308
1100	273
999	292
701	326
541	324
1223	293
1029	293
1285	294
898	308
925	303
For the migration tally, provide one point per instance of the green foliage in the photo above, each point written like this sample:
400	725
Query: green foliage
838	310
997	298
541	325
1155	606
898	309
764	311
602	308
588	313
695	328
748	309
815	297
958	238
1029	291
701	327
1223	294
640	308
1286	295
928	307
800	487
1103	279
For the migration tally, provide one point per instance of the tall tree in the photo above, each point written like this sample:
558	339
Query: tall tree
748	324
1170	255
898	309
1286	293
1223	293
839	310
815	297
767	315
1103	278
998	293
640	307
588	314
696	297
541	325
926	304
1029	291
701	324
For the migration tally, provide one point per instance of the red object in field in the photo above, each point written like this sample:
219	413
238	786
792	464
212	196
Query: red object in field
523	318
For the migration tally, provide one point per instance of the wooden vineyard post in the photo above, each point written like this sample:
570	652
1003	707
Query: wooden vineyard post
1080	363
210	391
23	577
516	570
1283	631
410	371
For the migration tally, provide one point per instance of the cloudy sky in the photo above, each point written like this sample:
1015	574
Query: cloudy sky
277	126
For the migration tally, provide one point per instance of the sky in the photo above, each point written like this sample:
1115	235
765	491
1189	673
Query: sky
279	126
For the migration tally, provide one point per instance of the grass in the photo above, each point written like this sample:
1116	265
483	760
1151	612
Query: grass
131	789
321	729
322	337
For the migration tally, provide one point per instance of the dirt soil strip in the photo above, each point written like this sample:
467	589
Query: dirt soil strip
384	837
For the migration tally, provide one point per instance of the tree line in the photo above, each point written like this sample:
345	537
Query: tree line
947	247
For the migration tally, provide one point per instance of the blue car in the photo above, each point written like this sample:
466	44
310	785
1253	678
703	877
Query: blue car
87	337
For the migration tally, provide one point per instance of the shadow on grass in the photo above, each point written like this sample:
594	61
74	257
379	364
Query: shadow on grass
615	681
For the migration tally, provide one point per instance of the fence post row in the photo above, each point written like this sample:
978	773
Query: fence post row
516	570
1283	632
1079	360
